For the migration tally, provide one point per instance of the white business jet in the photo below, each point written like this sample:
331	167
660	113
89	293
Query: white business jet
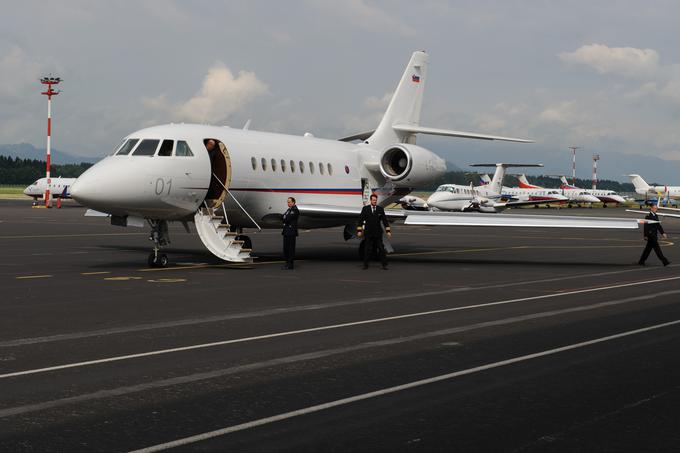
59	188
531	192
166	173
488	198
660	192
602	195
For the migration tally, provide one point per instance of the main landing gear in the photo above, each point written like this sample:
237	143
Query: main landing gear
160	237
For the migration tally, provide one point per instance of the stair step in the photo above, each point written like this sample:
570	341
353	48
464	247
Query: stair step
246	250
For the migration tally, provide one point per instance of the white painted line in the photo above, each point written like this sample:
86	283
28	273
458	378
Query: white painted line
390	390
320	328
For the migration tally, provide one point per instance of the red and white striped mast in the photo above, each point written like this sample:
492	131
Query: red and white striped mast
573	164
596	157
49	92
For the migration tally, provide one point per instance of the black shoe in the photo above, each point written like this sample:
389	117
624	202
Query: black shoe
640	263
364	267
666	263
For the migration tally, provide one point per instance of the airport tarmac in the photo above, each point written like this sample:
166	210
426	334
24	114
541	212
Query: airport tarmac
517	340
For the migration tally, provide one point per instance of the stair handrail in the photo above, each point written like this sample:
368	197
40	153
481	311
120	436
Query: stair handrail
237	202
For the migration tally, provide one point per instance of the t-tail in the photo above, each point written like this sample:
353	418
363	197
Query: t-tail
496	184
640	184
401	121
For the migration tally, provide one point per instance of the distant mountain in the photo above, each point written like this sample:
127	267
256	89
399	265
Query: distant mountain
28	151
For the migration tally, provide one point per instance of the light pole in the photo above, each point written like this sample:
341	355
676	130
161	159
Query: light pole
596	157
49	92
573	164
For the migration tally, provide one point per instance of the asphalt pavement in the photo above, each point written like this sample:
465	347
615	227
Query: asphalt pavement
475	339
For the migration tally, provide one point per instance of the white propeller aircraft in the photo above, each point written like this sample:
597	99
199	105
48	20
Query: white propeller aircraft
489	197
59	188
166	173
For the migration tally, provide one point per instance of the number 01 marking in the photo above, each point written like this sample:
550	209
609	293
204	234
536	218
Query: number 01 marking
160	186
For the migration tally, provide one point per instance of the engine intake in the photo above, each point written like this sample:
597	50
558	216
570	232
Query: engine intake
410	165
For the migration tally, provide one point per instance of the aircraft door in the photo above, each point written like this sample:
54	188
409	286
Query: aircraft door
220	168
366	191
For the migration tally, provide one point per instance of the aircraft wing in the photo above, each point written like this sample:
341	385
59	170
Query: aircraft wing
659	213
434	218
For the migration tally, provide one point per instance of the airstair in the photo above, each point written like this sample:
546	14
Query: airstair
216	235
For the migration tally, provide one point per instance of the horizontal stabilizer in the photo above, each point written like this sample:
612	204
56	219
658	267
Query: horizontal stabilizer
412	129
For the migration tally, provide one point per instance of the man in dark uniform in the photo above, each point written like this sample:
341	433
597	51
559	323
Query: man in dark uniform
290	232
370	219
651	232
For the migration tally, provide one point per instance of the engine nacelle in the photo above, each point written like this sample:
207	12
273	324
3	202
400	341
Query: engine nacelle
410	165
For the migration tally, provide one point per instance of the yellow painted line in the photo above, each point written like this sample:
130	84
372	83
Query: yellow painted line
23	277
439	252
121	279
168	280
95	273
206	266
52	236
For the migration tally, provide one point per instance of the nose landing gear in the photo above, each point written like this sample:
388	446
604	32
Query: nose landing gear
160	237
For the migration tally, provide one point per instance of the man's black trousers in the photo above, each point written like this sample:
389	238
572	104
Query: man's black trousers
289	250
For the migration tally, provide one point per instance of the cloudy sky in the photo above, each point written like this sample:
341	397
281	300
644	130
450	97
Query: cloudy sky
601	75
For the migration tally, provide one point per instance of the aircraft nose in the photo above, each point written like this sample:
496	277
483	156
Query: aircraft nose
88	188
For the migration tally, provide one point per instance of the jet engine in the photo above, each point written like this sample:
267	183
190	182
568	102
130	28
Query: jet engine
408	165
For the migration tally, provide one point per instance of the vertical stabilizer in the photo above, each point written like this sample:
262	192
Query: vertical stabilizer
638	182
405	105
496	184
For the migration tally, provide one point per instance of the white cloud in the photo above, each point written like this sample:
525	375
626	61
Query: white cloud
220	95
20	74
368	17
625	61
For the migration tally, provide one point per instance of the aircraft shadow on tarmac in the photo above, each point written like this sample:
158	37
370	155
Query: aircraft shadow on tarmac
341	253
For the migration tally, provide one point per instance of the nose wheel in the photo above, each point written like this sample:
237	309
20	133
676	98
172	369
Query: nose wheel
160	237
157	259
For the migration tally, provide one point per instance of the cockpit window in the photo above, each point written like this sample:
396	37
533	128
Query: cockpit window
146	148
166	148
127	147
183	149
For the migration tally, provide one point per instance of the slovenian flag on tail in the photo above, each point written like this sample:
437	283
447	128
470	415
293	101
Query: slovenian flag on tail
415	78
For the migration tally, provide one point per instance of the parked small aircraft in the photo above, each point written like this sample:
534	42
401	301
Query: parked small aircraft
59	188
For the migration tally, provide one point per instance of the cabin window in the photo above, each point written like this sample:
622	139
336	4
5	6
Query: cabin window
283	165
292	166
273	164
127	147
166	148
330	170
302	167
146	147
320	168
311	168
263	162
183	149
253	162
